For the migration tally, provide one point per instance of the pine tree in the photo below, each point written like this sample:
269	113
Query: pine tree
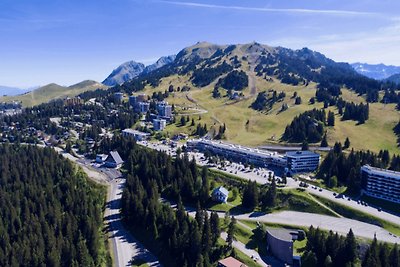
331	118
231	231
250	195
214	227
324	142
304	146
346	143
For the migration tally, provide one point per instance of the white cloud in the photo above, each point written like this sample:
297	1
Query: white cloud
375	46
276	10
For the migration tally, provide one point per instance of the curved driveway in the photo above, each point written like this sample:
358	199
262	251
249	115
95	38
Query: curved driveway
340	225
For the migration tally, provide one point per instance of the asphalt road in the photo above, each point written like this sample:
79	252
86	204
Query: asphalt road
340	225
125	246
352	203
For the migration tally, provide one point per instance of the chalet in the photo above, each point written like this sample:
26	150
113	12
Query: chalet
220	194
113	160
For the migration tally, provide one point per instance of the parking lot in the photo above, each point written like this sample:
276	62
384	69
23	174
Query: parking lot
260	175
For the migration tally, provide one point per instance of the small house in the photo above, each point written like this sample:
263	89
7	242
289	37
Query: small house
101	158
113	160
220	194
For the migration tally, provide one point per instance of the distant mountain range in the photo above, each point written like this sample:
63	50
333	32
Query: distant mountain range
131	69
11	91
53	91
376	71
394	78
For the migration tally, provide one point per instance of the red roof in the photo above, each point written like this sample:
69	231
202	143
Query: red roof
231	262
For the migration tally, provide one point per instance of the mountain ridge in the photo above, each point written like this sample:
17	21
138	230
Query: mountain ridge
132	69
11	91
53	91
376	71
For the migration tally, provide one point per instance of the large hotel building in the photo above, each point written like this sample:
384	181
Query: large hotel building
381	183
292	162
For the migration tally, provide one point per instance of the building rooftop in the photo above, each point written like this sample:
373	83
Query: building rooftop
300	154
231	262
283	234
116	157
136	132
385	172
237	148
222	189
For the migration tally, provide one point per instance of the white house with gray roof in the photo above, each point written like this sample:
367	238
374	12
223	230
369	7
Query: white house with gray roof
220	194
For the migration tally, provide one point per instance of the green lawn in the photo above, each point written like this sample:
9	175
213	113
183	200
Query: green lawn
298	247
298	200
139	263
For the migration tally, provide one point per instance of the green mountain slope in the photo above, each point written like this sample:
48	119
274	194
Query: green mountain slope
53	91
200	70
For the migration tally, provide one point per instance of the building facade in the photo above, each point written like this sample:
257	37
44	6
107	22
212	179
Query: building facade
139	136
143	107
302	161
164	110
159	124
381	183
280	244
235	152
118	96
220	194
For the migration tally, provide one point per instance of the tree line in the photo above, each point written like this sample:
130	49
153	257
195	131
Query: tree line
181	241
308	126
345	167
329	249
50	215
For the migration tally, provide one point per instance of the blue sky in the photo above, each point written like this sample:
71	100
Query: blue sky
67	41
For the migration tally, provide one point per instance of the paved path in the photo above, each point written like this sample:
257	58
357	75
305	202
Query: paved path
340	225
124	244
249	252
352	203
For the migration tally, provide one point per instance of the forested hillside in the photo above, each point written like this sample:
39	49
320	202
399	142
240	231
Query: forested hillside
177	239
50	215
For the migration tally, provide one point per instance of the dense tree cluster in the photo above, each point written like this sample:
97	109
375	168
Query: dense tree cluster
204	76
391	96
266	100
265	197
330	249
235	80
184	242
201	130
380	255
49	213
308	126
357	112
346	167
396	130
